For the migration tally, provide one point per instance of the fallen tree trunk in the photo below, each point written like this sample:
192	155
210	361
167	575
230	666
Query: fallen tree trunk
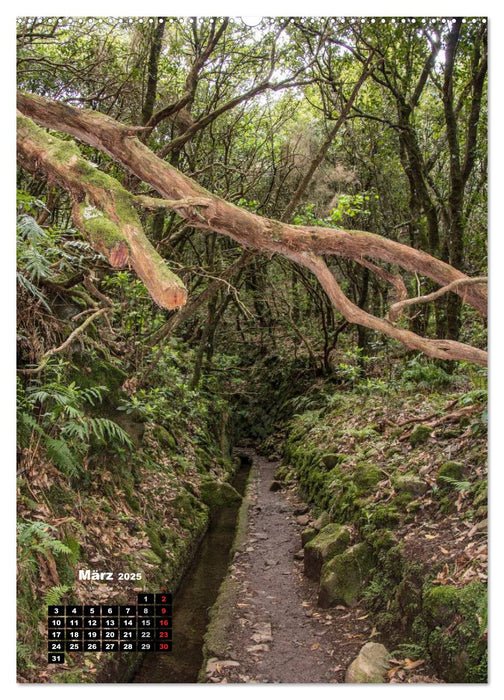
302	244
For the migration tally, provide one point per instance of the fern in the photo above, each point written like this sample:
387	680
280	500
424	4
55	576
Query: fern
23	654
106	430
24	282
63	457
457	485
55	594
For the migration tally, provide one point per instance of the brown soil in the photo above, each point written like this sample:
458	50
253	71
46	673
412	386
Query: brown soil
276	633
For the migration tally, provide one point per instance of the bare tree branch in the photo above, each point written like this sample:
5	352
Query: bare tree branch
302	244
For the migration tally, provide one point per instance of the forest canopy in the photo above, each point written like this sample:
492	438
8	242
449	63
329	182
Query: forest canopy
354	150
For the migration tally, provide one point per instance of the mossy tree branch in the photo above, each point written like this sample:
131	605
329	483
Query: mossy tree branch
102	209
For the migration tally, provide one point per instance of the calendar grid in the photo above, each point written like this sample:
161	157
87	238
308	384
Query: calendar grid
143	627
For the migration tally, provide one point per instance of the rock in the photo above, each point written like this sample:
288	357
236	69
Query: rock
308	534
261	536
303	519
275	486
322	520
343	576
447	472
370	666
271	562
410	483
456	624
218	493
301	509
332	539
420	434
299	555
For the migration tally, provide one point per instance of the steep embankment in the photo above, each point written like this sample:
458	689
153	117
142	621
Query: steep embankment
406	474
394	548
140	511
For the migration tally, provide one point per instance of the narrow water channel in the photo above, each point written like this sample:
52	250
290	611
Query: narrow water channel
194	598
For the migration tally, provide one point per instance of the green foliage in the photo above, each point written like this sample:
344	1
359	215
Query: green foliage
54	414
56	594
36	536
424	375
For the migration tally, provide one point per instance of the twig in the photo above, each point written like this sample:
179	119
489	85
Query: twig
68	341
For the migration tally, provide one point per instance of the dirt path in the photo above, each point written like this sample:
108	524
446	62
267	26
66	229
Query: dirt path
275	632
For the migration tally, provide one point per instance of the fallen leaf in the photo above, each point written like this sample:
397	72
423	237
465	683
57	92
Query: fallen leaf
410	665
315	646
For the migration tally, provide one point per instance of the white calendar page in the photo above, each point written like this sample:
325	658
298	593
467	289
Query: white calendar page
159	151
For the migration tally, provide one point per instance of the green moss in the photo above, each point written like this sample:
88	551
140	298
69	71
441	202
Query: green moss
163	437
381	540
331	540
308	534
420	434
367	475
440	605
216	493
385	515
105	235
451	470
155	543
189	510
344	576
411	484
457	620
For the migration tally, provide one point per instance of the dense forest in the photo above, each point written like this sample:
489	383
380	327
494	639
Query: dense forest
242	238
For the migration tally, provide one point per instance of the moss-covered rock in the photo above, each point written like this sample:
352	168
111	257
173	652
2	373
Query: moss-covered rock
322	520
332	459
419	435
449	471
163	437
331	540
381	540
370	666
410	483
456	620
385	515
218	493
344	576
308	534
367	475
